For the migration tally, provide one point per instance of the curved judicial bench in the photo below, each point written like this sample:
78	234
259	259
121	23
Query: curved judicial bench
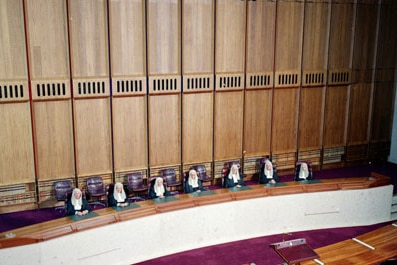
154	228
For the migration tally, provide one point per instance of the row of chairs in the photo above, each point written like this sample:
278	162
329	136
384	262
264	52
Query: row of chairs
96	191
138	189
261	163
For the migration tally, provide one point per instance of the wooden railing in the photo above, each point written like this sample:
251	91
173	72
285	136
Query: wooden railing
63	226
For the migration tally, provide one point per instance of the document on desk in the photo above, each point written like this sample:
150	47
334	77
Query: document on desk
277	184
202	193
165	199
240	189
83	217
313	181
129	207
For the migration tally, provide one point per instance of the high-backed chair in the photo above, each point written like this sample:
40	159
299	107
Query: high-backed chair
235	162
136	186
96	191
170	179
62	189
298	165
224	175
202	173
152	182
261	163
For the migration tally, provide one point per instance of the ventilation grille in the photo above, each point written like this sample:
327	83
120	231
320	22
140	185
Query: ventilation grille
124	87
198	83
90	88
287	79
208	167
339	77
251	164
164	85
13	91
50	90
385	75
357	152
284	160
314	78
313	156
333	155
228	82
17	194
259	80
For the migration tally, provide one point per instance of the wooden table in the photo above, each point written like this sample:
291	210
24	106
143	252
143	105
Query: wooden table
370	248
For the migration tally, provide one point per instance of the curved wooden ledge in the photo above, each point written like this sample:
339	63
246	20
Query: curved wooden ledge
64	226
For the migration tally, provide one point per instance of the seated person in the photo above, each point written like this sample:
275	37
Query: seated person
303	172
158	190
77	204
268	175
234	179
193	183
117	197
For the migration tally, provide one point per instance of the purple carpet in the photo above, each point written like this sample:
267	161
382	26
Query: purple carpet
257	250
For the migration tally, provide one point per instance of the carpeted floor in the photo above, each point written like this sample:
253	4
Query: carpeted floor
257	250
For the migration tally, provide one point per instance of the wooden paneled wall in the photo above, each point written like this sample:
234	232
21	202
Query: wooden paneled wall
108	87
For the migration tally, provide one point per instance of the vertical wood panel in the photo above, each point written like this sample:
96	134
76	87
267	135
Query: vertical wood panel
359	114
311	117
90	73
230	36
16	145
48	39
54	139
364	50
314	78
385	76
335	116
92	133
49	57
260	36
164	70
129	133
16	161
164	130
285	120
198	71
198	37
257	122
12	41
228	125
382	112
365	39
164	36
197	109
289	30
316	34
259	68
89	38
129	101
288	60
229	60
127	37
341	34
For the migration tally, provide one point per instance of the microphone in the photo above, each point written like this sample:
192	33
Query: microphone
286	234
